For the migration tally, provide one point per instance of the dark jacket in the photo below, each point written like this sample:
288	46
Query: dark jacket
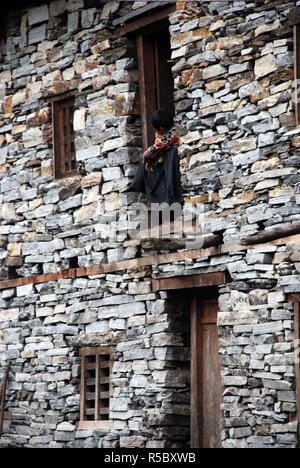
164	183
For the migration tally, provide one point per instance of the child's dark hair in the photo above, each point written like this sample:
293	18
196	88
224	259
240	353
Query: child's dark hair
162	118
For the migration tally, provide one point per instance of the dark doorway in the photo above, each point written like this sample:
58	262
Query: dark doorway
206	385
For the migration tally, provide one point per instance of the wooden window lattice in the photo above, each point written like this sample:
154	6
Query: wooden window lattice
96	386
63	137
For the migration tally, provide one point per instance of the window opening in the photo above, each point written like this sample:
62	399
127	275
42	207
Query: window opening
63	137
96	386
155	78
156	84
73	262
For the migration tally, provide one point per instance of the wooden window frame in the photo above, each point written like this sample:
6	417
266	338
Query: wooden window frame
64	155
295	299
97	352
151	65
293	20
296	28
147	31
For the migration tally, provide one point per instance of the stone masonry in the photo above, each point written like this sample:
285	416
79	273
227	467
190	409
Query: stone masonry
232	64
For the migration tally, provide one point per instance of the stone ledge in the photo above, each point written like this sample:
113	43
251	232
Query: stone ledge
143	261
94	425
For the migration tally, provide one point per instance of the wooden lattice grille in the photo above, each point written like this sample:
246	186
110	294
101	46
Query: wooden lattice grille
96	387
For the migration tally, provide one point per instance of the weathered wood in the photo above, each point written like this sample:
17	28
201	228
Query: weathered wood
206	385
143	261
163	244
189	281
271	234
297	357
94	362
195	400
173	244
63	137
297	68
3	390
147	84
137	20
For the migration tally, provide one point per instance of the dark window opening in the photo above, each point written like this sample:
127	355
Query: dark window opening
73	262
155	78
63	138
12	272
150	27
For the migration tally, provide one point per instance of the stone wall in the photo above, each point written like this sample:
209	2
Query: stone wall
42	329
233	72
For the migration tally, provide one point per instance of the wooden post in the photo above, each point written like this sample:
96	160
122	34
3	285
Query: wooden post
3	388
297	357
297	71
269	235
195	377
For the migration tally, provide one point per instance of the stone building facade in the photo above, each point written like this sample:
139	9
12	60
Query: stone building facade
72	279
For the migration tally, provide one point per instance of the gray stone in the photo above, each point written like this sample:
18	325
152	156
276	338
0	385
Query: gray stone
37	34
38	15
268	327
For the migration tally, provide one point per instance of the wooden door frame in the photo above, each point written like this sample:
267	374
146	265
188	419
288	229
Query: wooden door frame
194	282
194	378
295	299
198	323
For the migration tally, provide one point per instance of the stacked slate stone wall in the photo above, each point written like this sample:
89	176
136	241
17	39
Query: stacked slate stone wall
233	72
42	328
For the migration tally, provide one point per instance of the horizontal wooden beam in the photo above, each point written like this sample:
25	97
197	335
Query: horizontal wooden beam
272	234
190	281
34	279
136	263
144	21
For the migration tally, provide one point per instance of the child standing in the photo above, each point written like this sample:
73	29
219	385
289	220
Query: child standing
159	174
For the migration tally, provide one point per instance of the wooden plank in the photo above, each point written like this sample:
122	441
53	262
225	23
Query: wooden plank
164	76
297	357
206	385
147	86
297	71
3	391
195	377
269	235
210	386
236	247
190	281
82	385
97	381
144	21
